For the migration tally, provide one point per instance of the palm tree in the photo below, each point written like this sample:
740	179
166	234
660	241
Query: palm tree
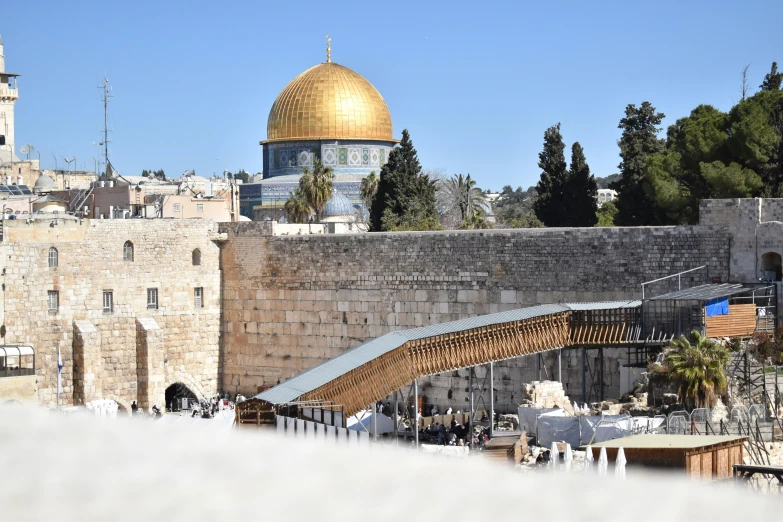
317	186
369	188
460	198
296	207
697	366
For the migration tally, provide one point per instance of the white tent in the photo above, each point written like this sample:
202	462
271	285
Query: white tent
363	421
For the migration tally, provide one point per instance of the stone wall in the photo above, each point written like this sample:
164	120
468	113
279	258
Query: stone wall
90	260
293	302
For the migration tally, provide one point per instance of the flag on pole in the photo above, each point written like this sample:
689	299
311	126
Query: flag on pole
59	371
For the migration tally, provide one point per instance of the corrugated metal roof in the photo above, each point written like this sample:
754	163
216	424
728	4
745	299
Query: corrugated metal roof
667	441
330	370
703	292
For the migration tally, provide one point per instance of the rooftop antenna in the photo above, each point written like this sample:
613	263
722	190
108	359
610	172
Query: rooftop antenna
107	95
328	49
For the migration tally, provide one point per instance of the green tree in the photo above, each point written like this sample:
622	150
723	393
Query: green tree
711	154
459	198
550	203
639	139
369	187
242	175
317	186
606	214
581	191
405	199
772	80
296	207
697	365
475	221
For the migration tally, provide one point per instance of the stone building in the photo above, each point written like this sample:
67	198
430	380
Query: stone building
136	306
9	94
133	305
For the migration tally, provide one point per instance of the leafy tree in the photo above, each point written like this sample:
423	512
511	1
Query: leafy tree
772	80
697	366
296	207
317	186
405	199
697	164
603	183
514	208
549	206
242	175
460	200
369	187
712	154
606	214
476	221
581	191
639	139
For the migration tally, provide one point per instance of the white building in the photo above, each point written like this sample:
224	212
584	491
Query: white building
605	195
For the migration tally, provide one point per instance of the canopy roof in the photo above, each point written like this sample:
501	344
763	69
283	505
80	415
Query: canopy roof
703	293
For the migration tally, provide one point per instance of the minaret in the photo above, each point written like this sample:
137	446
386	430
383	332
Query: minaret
8	96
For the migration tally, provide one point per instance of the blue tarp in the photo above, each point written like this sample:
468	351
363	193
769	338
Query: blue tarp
717	307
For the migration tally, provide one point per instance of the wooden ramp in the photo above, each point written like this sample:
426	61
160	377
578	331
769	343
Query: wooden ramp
375	369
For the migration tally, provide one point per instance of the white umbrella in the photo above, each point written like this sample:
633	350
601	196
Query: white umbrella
568	457
589	459
576	408
619	465
603	462
554	453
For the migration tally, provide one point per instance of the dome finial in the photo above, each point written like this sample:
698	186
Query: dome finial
328	49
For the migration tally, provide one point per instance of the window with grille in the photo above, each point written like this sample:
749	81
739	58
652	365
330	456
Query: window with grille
108	301
198	296
53	258
200	207
176	207
152	298
127	251
54	300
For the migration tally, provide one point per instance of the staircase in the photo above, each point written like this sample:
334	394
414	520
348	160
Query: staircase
76	203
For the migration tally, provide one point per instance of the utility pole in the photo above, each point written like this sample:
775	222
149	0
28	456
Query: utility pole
106	97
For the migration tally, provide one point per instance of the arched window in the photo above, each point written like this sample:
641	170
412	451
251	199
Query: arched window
53	258
127	251
196	257
771	266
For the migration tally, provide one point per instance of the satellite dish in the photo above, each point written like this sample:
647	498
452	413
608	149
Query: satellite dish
26	149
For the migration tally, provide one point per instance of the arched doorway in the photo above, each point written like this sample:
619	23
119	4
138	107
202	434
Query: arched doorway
174	395
771	266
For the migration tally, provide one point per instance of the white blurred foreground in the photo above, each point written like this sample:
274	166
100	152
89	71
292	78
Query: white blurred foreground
89	469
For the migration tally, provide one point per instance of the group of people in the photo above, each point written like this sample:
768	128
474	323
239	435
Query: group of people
454	434
139	412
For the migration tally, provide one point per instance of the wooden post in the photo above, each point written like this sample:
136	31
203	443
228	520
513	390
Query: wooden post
491	401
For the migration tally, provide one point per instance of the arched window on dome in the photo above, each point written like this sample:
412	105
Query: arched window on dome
196	257
53	258
127	251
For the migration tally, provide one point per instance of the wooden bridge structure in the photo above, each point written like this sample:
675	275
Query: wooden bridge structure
375	369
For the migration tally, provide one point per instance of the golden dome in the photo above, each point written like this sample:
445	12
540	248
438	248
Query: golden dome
329	101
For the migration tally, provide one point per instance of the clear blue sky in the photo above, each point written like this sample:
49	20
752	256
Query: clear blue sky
476	83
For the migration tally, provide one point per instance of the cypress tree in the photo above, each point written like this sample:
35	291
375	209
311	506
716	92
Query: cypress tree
639	140
582	192
772	80
550	203
405	199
